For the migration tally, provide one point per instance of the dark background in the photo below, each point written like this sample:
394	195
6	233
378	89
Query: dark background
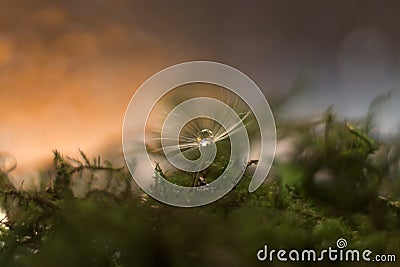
69	68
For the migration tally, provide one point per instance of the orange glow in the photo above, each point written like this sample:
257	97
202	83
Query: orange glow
66	86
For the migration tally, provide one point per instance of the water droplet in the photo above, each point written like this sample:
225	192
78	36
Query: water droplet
205	142
205	138
7	162
205	133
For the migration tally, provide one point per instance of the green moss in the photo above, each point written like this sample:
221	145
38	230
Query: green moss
105	228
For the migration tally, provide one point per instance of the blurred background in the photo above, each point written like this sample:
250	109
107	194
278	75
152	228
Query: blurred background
69	68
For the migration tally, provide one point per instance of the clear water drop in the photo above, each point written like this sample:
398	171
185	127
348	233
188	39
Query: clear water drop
7	162
205	134
205	138
206	142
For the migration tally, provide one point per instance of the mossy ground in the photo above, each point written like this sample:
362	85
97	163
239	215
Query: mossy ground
118	225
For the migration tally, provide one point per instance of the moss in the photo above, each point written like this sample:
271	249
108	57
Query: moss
105	228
